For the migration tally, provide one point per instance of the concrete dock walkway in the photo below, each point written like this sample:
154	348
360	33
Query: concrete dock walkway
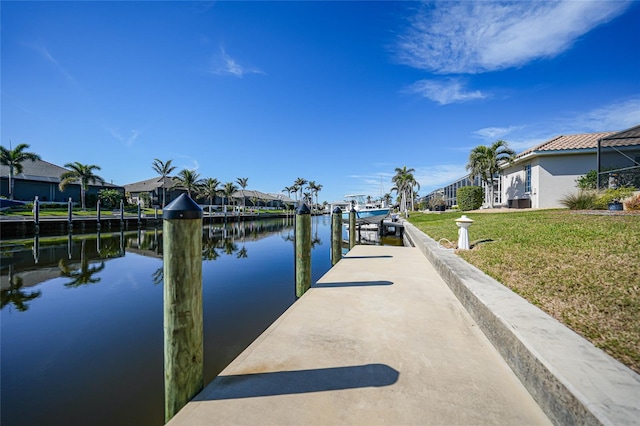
379	340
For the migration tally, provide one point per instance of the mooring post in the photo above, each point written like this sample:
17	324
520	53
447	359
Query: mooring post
121	213
336	235
36	215
70	213
139	212
303	249
183	338
98	213
352	227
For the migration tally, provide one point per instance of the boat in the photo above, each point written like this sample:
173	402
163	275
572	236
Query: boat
366	213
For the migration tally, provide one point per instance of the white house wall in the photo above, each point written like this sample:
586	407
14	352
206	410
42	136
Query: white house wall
552	178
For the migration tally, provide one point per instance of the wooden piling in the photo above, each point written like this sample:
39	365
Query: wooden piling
98	211
70	213
336	235
36	215
352	228
183	323
303	249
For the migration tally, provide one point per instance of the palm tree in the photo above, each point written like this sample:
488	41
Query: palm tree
14	159
84	174
404	184
188	180
387	199
299	184
243	182
485	161
164	170
294	189
209	189
315	188
228	189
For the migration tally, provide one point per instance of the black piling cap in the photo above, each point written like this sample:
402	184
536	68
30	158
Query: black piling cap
303	209
337	210
182	207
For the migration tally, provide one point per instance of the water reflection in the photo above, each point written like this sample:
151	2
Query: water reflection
108	368
14	295
84	274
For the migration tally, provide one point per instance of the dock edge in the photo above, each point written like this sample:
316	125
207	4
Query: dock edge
573	381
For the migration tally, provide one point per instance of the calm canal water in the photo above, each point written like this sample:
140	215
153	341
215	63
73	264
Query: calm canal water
81	320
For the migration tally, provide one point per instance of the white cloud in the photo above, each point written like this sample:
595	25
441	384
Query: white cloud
127	140
478	36
446	91
436	176
615	116
224	64
45	54
495	133
618	115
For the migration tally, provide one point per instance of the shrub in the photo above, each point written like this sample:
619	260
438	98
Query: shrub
436	201
588	181
608	196
470	197
583	200
633	203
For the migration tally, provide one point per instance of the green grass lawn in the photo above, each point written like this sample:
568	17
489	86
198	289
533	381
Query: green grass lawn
582	269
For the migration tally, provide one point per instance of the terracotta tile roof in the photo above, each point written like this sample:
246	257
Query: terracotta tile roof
568	142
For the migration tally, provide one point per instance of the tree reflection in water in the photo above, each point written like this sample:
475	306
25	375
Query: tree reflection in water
82	276
14	295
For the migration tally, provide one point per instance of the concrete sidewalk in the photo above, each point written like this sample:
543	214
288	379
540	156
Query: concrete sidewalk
379	340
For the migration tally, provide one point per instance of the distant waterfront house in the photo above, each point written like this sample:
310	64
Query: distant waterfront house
40	178
153	187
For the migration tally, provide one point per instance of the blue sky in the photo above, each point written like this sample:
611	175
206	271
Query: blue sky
340	93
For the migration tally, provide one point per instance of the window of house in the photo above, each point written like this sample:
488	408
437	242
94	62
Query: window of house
527	178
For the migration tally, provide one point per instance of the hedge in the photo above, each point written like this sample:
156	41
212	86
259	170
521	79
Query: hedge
470	197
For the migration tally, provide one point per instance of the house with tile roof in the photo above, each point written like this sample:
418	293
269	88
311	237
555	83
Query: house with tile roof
41	178
153	187
541	176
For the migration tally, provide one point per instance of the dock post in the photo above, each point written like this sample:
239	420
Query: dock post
70	213
139	213
121	213
303	249
98	214
352	228
183	323
36	215
336	235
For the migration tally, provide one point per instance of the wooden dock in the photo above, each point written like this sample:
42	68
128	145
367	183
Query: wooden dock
378	340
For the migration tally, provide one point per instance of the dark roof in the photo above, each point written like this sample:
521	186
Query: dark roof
627	137
41	171
149	184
